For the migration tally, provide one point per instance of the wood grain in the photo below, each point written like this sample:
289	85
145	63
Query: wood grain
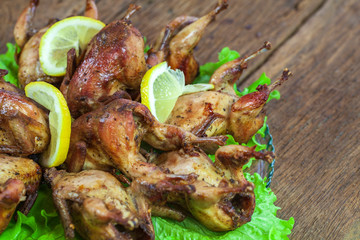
316	124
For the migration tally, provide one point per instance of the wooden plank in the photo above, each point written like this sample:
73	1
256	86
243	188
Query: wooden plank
316	124
244	26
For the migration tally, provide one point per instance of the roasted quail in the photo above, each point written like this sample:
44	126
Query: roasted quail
19	181
110	137
114	62
24	128
98	206
221	111
224	199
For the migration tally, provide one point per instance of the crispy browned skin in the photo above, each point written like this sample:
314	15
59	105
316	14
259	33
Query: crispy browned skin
224	199
114	61
96	205
221	111
19	181
24	126
178	40
110	137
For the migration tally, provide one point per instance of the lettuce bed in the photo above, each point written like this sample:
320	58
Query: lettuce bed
43	222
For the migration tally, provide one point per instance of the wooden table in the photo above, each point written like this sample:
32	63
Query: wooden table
316	124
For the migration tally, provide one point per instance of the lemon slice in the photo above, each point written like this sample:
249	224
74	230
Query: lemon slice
161	87
73	32
59	120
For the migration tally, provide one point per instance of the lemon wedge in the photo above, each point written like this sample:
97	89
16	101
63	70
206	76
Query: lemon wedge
73	32
161	87
59	120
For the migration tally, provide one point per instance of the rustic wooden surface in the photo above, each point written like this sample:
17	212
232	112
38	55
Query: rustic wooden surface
316	124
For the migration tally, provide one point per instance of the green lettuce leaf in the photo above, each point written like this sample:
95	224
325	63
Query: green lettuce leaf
147	47
7	61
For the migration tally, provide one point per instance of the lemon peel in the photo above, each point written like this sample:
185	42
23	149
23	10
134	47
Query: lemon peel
59	121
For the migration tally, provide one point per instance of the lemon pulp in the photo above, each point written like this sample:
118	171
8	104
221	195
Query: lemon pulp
59	121
73	32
